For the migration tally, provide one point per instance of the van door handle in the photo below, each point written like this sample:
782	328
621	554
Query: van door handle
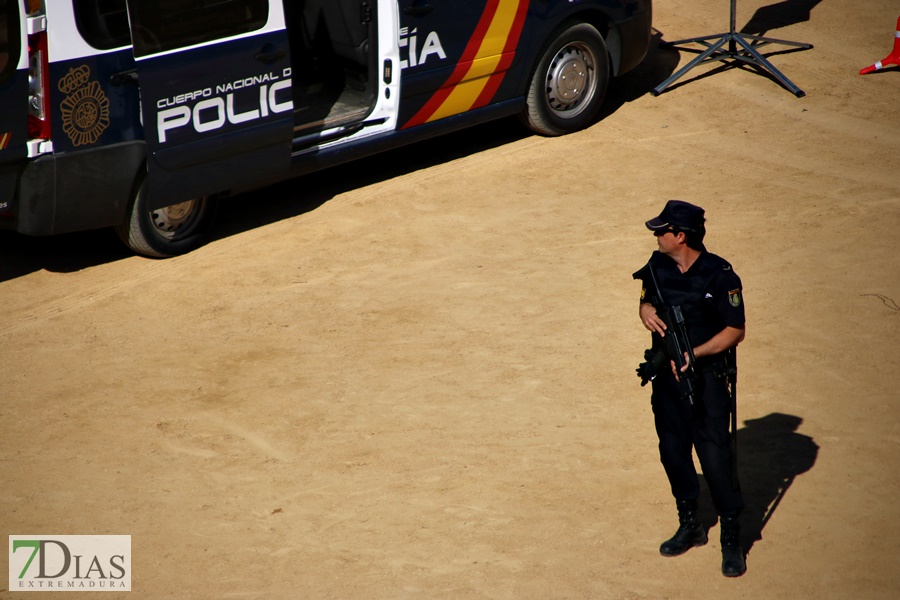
129	77
418	11
269	54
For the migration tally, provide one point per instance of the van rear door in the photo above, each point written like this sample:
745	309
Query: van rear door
13	83
215	81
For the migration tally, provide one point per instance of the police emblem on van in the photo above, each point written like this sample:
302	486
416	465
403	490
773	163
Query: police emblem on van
85	110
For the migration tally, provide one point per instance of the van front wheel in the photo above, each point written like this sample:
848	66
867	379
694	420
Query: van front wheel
168	231
569	83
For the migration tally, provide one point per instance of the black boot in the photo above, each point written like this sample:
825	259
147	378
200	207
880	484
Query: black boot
733	563
690	531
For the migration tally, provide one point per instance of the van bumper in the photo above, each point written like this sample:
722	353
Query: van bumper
635	34
74	191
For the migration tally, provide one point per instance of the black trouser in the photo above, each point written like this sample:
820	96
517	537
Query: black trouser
705	427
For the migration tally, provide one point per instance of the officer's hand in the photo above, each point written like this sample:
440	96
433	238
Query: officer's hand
676	372
651	320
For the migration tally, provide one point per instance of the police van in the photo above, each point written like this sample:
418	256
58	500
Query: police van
137	114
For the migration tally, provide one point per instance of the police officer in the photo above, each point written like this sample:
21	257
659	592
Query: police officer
709	293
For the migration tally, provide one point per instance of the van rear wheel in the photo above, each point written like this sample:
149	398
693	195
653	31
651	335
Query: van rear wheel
569	83
168	231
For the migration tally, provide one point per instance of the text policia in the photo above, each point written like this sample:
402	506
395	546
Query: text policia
213	108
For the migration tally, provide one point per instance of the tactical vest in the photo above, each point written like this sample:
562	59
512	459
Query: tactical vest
689	291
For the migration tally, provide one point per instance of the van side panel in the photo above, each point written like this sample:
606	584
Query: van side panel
462	56
477	60
94	102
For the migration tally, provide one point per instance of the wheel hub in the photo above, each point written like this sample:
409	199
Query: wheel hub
568	79
171	218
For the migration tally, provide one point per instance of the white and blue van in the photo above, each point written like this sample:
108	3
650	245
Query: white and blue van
136	114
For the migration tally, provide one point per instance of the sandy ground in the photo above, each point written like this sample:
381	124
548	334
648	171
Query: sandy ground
414	377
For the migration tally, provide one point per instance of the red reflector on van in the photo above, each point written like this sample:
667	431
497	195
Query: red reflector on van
38	87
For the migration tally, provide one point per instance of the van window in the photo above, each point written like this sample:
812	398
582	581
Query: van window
160	25
103	23
10	46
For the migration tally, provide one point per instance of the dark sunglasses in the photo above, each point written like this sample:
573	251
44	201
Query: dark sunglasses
662	232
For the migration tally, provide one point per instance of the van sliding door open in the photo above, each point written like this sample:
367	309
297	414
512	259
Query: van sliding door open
216	94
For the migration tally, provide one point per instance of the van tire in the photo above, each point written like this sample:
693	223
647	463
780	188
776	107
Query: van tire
168	231
569	82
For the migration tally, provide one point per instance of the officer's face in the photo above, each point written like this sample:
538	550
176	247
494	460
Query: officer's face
667	240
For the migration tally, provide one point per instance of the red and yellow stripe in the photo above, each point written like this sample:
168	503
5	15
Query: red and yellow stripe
4	140
483	64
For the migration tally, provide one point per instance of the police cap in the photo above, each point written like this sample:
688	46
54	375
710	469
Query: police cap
680	215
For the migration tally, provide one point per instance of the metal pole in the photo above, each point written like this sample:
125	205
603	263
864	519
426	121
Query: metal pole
732	48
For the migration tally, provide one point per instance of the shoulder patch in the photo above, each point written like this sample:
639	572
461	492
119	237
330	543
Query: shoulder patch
734	298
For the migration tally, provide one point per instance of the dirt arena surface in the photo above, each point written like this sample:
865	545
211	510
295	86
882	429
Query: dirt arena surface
414	377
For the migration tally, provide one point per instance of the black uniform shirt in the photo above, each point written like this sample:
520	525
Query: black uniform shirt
709	293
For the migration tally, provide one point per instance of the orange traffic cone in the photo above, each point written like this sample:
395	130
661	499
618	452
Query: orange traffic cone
891	59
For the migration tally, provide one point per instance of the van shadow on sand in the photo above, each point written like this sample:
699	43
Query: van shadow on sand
771	454
72	252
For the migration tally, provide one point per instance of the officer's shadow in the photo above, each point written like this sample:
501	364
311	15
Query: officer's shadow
771	454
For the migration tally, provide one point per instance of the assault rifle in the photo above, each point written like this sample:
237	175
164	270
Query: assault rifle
677	345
